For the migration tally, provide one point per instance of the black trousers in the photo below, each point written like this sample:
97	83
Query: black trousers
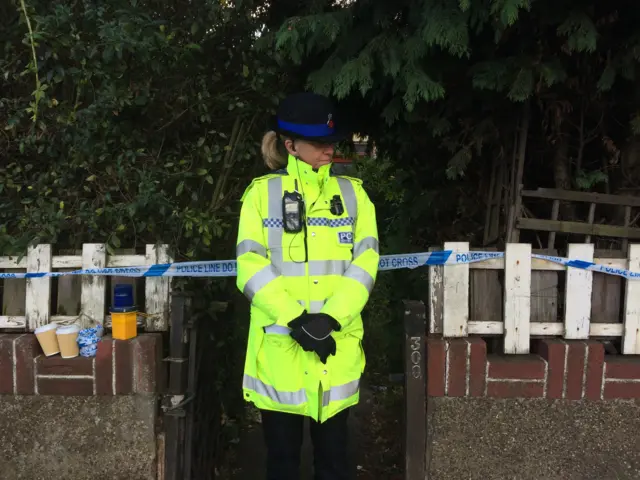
283	434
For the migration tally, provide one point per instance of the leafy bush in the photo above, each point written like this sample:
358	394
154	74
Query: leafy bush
129	123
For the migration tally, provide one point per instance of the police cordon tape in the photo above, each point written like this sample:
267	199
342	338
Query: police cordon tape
227	268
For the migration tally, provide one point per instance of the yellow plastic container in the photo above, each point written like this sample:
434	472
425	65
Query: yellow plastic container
124	325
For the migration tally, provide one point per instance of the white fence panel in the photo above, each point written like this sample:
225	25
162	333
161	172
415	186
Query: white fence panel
631	331
94	288
450	301
38	296
157	290
517	298
92	298
577	303
435	298
456	294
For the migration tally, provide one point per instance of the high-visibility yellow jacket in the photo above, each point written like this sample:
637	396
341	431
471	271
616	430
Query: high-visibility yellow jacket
337	278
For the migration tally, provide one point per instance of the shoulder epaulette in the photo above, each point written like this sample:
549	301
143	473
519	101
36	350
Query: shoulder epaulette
353	179
261	179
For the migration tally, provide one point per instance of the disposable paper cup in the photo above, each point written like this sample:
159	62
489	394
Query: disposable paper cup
47	339
68	341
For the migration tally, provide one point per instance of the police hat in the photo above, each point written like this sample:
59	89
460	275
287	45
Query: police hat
308	116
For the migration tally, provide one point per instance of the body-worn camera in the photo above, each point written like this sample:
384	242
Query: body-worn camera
337	208
293	212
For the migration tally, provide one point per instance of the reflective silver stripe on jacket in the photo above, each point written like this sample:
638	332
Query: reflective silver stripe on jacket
292	269
277	330
364	245
316	268
349	195
340	392
259	280
284	398
360	275
328	267
274	236
250	246
316	305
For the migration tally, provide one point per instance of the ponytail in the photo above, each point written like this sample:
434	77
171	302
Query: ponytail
273	150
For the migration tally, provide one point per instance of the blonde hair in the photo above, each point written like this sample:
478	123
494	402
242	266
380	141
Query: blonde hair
274	152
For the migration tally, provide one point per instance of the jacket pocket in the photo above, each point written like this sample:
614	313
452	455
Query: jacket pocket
280	362
343	243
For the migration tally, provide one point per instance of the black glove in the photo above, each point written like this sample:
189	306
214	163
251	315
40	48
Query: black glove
312	331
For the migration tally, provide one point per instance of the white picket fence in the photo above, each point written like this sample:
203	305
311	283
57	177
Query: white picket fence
449	299
85	294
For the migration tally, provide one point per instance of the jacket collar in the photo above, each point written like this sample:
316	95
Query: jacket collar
303	171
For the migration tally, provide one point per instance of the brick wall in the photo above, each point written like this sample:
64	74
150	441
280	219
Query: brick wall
558	369
119	368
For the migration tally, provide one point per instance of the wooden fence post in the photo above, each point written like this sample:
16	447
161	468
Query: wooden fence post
455	311
517	298
157	290
415	390
631	333
93	287
577	297
436	297
38	294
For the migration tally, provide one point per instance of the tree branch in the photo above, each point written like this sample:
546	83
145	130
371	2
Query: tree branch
232	160
226	163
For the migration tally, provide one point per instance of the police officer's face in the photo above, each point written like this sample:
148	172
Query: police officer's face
315	154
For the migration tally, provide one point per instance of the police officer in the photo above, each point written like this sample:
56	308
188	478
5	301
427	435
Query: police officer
307	255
